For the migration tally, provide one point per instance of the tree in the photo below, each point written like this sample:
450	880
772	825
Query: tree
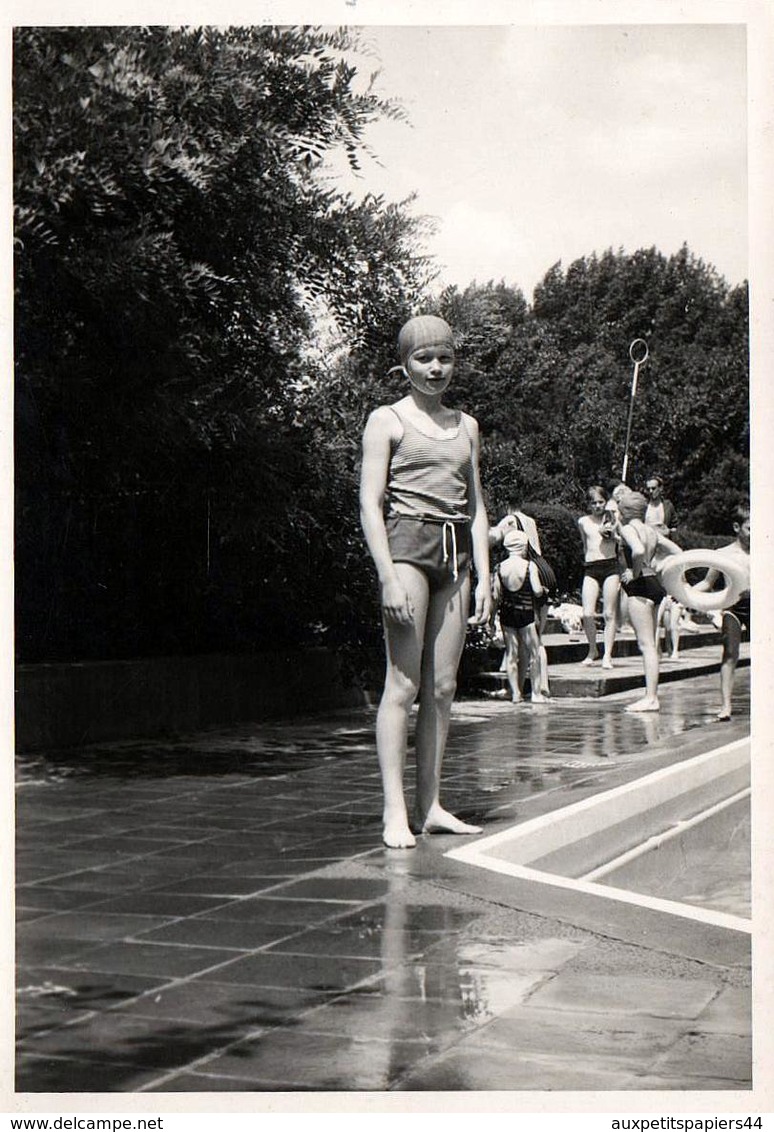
177	239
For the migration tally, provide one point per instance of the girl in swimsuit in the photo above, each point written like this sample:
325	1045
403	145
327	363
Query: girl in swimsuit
640	582
516	585
423	459
501	535
600	572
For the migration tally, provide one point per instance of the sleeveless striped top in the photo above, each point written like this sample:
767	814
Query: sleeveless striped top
429	475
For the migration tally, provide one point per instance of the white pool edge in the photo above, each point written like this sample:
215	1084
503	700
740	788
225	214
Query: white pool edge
541	834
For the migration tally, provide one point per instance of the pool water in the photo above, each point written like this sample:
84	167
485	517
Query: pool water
707	864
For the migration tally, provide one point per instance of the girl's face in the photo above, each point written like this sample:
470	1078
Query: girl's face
430	369
596	504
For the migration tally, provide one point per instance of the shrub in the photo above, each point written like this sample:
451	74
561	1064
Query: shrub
560	542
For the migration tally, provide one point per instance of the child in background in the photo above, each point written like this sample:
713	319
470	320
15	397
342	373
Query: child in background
737	618
500	535
516	584
640	544
600	574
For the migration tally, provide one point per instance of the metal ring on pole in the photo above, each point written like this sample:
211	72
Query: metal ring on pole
644	344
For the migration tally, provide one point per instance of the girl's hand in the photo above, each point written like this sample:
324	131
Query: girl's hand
627	576
396	603
483	607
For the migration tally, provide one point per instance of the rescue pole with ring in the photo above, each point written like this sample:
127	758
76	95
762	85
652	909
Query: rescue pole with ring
638	352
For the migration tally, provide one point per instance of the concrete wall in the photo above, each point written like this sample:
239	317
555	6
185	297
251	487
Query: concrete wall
66	705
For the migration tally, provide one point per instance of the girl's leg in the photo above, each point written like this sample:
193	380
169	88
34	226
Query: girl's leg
403	645
542	617
673	628
529	645
732	638
445	630
610	590
589	598
643	614
512	659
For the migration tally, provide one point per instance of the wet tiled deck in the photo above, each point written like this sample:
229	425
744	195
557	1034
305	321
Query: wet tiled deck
216	913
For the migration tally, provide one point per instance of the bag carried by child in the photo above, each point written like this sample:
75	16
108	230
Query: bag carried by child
544	568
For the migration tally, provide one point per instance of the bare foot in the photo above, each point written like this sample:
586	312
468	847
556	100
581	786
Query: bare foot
538	698
517	699
644	705
396	833
589	660
607	662
675	656
723	716
439	820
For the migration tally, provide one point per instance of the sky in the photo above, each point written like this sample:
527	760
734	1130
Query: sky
536	144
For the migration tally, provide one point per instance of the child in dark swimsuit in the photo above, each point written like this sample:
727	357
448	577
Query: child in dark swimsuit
645	592
516	584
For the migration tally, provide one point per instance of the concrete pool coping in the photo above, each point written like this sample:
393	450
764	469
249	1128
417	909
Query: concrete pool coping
638	924
537	850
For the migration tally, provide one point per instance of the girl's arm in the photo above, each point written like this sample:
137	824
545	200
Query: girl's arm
531	531
708	581
666	546
479	531
381	429
534	580
637	547
497	590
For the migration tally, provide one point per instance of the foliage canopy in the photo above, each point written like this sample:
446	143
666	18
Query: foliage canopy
204	320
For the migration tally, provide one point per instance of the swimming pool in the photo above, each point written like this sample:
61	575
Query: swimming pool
676	840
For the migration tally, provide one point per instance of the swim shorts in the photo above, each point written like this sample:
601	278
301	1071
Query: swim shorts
647	586
441	550
601	569
741	611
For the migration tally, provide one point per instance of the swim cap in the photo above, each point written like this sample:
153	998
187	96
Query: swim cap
633	502
424	330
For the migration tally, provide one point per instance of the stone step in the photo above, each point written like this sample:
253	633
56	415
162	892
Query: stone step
699	654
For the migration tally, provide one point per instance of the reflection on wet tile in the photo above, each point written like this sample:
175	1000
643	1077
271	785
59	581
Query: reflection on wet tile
387	1017
85	925
151	959
240	935
312	1061
155	903
316	973
346	889
391	946
263	909
221	884
479	993
415	917
63	1075
132	1039
542	954
211	1004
